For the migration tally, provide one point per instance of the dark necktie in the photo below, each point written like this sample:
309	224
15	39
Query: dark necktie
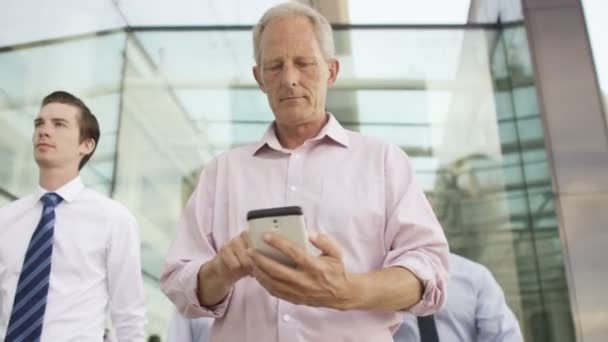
427	328
29	305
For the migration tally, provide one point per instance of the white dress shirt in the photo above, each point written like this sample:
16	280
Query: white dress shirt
476	310
95	265
182	329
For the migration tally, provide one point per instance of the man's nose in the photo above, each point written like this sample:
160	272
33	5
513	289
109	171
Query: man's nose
290	76
42	131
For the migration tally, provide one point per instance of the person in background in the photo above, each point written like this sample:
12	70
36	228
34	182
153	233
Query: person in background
476	310
67	253
182	329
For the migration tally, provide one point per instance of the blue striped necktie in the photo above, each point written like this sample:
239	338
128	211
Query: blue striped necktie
27	315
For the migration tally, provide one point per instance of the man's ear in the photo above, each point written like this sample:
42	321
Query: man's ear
87	146
334	69
258	78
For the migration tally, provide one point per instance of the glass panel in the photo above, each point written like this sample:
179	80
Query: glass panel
408	12
247	12
544	292
25	21
595	17
494	11
161	152
194	12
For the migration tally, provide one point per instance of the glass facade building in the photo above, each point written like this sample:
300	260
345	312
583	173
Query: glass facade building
460	99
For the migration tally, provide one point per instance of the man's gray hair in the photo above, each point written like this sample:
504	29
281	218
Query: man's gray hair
320	25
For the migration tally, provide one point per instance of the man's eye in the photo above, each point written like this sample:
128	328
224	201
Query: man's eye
306	64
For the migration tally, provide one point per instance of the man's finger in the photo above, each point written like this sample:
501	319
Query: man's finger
245	239
229	259
243	259
274	269
327	245
240	247
295	252
274	286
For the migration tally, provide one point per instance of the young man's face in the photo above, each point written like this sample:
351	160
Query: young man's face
56	137
293	72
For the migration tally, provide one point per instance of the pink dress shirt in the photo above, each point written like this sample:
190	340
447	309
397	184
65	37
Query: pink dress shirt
357	189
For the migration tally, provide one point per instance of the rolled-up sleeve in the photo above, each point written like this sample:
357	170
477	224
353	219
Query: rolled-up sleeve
413	236
193	247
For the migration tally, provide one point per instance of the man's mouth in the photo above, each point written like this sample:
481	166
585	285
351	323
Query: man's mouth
290	98
44	145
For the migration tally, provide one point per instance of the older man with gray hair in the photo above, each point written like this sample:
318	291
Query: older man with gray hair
382	251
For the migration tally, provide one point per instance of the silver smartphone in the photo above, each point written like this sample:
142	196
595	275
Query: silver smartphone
286	221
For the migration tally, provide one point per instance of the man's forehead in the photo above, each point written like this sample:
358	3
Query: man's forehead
291	28
291	54
56	110
287	42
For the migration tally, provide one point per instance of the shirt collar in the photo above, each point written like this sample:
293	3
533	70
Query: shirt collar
332	130
67	191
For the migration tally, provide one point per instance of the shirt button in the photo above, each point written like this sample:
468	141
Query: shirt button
286	318
293	188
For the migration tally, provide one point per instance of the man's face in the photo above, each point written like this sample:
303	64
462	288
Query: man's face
56	137
293	72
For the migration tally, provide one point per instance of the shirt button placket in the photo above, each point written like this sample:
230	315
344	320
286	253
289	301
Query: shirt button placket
294	176
288	328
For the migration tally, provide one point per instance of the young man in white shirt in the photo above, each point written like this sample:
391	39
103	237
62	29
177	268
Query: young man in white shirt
68	255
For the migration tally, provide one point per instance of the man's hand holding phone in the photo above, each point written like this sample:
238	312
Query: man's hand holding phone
233	261
231	264
283	265
320	281
275	251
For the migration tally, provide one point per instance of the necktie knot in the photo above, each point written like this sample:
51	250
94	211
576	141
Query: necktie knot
51	199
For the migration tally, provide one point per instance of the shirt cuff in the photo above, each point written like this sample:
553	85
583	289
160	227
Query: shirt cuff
194	309
433	281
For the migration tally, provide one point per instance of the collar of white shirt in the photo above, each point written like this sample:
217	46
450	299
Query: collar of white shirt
68	191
